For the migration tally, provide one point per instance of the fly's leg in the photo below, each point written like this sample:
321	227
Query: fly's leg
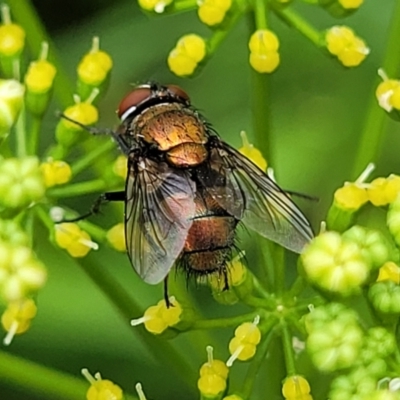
91	129
95	209
166	297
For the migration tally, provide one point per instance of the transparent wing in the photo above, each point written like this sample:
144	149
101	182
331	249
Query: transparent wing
248	194
159	209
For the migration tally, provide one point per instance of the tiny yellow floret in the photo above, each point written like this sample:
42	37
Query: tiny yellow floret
351	196
72	238
350	4
212	12
216	367
55	172
154	5
388	94
232	397
22	312
84	113
120	166
101	389
383	191
116	237
389	271
346	46
12	40
158	318
94	67
252	152
296	388
188	52
263	41
40	76
211	385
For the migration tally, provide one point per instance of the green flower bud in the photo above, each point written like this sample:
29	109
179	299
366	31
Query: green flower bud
336	346
11	232
379	342
353	386
334	264
39	82
11	100
21	274
68	133
385	297
21	182
374	246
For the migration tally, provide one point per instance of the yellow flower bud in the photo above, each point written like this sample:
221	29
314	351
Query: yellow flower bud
296	388
157	6
101	389
94	67
120	166
389	271
12	40
76	241
385	94
158	318
349	4
351	196
212	12
346	46
84	113
11	100
184	58
16	319
40	76
116	237
55	172
252	152
211	385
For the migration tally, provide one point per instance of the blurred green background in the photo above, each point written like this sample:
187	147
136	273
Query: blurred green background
317	111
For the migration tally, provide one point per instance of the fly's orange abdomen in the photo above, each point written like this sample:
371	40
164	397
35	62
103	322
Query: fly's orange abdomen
210	238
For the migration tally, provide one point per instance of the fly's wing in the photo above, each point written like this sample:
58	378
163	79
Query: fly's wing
248	194
159	209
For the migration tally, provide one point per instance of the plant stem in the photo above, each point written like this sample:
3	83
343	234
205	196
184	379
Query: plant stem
21	134
293	19
260	10
225	322
79	189
288	348
25	14
88	159
128	308
43	381
255	365
376	120
34	134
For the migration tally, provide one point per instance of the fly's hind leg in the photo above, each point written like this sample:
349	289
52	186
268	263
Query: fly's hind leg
95	209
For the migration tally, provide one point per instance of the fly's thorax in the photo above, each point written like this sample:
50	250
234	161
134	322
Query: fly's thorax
175	130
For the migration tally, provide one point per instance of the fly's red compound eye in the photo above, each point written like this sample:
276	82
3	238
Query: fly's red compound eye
177	91
130	102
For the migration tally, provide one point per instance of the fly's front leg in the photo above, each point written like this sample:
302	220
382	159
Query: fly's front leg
95	209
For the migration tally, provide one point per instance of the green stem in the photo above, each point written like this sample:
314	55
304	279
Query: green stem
294	20
20	131
79	189
34	134
88	159
279	257
260	10
225	322
376	120
259	357
42	381
128	308
182	6
25	14
261	111
288	348
297	287
220	34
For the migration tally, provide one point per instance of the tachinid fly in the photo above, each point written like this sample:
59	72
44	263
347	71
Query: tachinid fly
187	190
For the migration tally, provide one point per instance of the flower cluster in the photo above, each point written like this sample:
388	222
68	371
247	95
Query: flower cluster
186	58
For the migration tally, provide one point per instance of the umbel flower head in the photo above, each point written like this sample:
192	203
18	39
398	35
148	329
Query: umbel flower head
189	54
